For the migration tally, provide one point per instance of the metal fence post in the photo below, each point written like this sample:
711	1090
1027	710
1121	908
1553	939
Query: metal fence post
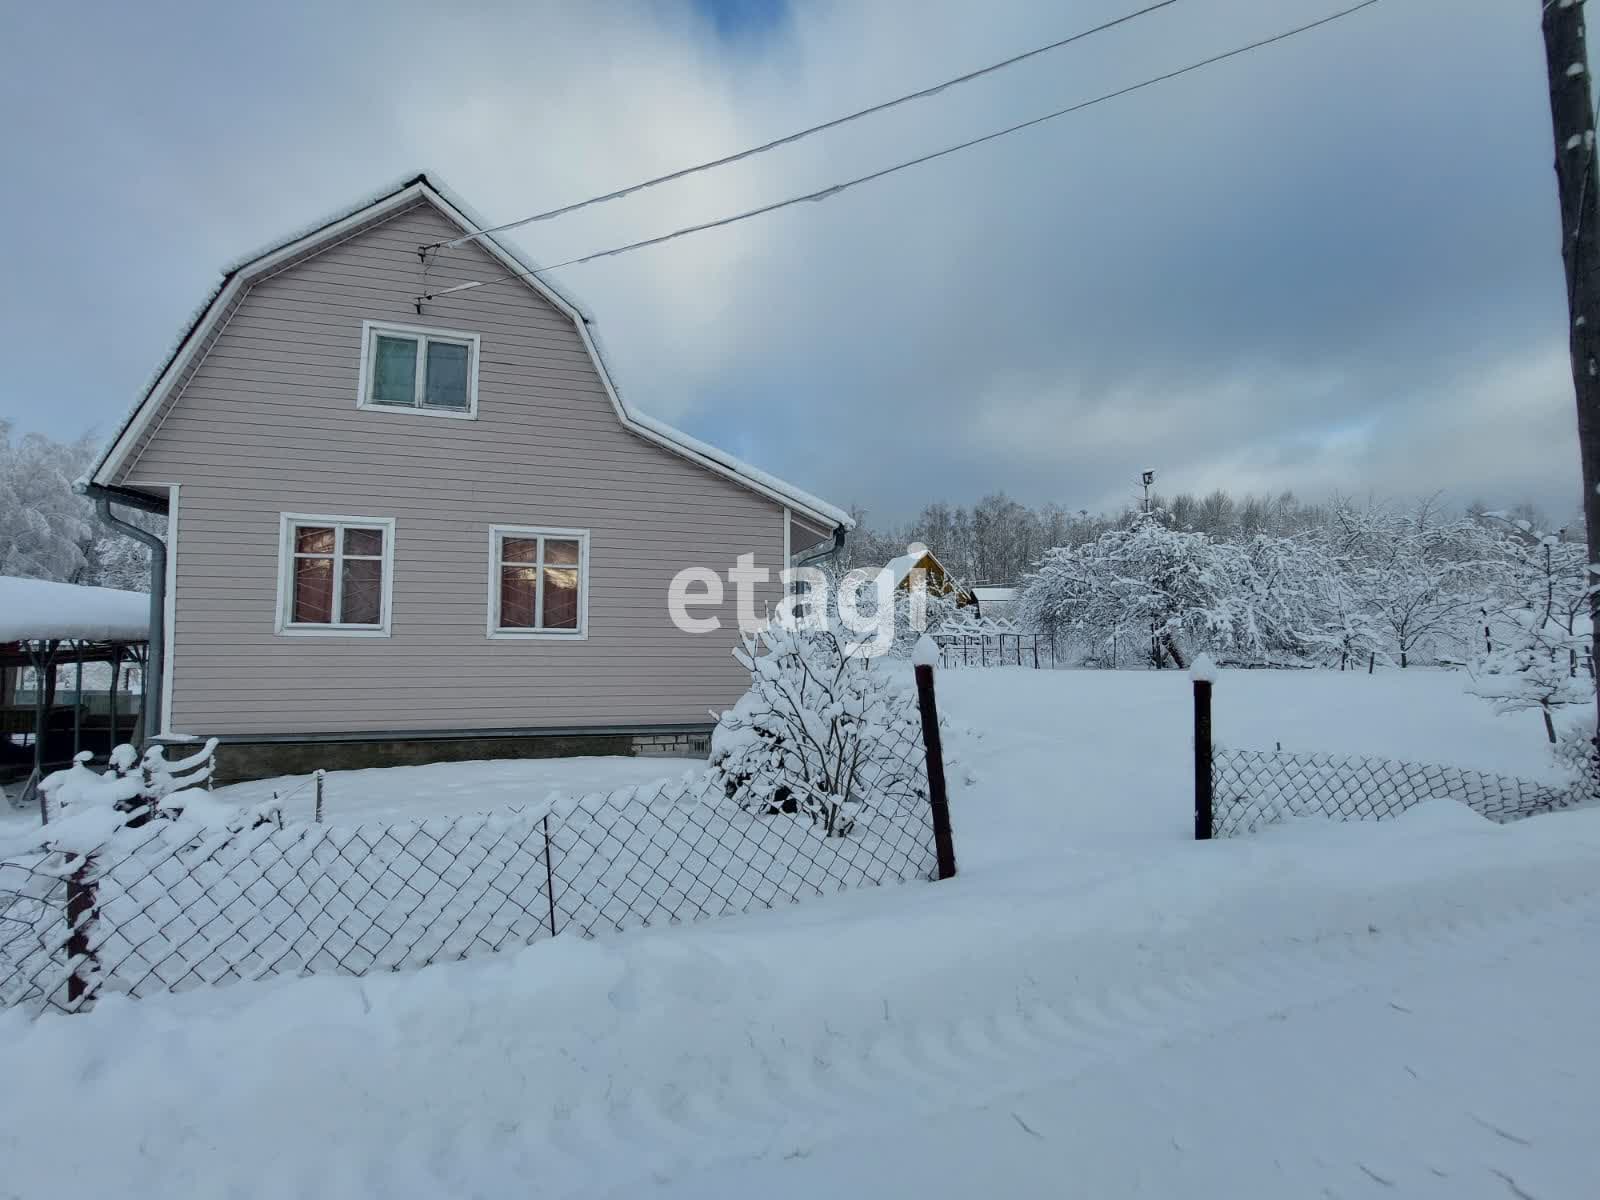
549	876
1202	675
317	776
80	917
944	845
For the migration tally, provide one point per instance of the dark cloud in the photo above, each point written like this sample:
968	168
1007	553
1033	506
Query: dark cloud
1328	265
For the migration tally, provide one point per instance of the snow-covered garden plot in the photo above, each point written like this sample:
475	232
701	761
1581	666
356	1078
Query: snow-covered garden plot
432	790
1073	761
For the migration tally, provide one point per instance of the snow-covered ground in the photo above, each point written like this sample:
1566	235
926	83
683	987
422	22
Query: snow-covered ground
1095	1006
452	789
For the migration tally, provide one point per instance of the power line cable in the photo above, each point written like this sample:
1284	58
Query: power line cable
791	138
834	189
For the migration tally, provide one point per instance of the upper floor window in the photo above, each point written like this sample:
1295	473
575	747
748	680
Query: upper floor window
538	582
430	370
335	575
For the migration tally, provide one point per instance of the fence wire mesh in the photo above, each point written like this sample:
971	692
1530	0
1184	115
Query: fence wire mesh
174	908
1253	788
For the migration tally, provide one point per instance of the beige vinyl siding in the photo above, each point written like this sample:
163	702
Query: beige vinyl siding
267	423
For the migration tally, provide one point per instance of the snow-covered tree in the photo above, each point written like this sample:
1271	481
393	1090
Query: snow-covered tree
48	531
1148	585
1420	576
45	528
1283	581
820	731
1294	604
1535	662
1533	669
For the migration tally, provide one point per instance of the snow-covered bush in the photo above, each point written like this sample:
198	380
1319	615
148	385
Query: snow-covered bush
820	731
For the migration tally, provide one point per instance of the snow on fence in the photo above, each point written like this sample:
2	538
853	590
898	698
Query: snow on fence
1239	791
171	904
1252	788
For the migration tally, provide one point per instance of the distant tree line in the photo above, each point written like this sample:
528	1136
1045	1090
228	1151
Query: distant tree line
1271	580
999	540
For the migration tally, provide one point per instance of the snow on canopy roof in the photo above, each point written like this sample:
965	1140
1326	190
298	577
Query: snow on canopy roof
43	610
995	595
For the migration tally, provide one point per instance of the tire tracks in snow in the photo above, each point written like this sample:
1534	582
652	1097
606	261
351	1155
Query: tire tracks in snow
785	1103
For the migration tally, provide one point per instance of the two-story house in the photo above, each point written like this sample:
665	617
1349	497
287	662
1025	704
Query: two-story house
411	518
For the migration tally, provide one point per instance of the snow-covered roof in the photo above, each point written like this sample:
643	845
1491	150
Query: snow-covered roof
899	569
42	610
240	274
995	595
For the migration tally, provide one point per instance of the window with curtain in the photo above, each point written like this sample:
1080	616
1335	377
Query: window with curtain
539	582
335	574
431	371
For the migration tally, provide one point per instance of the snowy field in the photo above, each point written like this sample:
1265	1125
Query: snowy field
452	789
1095	1006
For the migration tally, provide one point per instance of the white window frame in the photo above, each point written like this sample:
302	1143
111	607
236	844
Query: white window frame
422	335
581	536
287	522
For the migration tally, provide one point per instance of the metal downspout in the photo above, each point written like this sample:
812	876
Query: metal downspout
155	656
817	556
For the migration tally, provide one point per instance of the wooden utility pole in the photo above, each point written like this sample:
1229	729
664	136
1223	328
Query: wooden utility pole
1578	175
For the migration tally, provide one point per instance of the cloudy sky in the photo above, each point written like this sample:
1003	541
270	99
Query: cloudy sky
1329	265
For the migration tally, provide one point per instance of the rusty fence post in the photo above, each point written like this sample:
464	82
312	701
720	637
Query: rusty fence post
944	846
1203	675
80	922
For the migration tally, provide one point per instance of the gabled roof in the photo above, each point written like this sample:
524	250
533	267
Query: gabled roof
897	570
238	277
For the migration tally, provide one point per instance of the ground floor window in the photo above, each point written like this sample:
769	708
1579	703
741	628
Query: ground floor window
538	582
335	574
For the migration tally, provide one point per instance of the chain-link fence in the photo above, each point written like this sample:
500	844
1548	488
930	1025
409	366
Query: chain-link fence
168	906
1240	791
1252	788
